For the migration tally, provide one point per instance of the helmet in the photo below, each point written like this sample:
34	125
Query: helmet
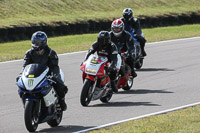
127	13
117	27
104	38
39	40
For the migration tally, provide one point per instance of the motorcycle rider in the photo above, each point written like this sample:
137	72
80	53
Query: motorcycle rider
104	47
122	38
133	23
42	54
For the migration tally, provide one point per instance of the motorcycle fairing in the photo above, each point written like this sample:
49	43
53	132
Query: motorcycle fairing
31	83
93	64
20	83
50	98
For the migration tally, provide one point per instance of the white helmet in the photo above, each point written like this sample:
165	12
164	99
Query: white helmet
117	27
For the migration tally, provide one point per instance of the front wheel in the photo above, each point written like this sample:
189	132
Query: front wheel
86	93
30	116
139	64
56	121
129	84
107	97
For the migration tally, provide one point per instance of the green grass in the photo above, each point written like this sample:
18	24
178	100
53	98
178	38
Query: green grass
181	121
29	12
66	44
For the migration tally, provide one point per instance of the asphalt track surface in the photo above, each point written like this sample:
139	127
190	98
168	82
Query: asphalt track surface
169	78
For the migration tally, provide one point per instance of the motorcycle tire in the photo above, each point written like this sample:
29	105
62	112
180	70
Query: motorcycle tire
139	64
129	84
55	122
86	94
30	117
106	98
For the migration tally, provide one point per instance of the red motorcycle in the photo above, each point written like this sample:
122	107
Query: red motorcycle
96	80
124	80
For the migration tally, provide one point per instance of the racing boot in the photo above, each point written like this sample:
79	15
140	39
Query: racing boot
62	103
144	53
133	73
113	85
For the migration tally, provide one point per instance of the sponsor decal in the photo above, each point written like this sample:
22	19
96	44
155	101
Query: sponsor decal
30	82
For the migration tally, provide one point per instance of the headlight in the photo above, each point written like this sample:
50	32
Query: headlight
91	70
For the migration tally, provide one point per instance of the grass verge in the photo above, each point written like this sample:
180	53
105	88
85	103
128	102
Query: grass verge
31	12
66	44
181	121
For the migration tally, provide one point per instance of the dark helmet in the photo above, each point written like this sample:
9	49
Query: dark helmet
104	38
117	27
39	40
127	13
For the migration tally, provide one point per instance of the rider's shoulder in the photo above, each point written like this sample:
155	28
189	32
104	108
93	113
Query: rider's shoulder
111	34
29	51
113	45
51	53
95	44
134	19
127	33
122	18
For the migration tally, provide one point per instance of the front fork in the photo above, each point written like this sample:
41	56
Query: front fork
37	102
94	84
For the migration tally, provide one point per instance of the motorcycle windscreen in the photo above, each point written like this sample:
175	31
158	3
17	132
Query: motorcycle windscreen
34	70
33	74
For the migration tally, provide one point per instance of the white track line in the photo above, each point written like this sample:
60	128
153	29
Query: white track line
138	117
85	51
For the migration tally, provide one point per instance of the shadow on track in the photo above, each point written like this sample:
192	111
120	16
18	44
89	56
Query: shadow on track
63	129
154	69
124	104
143	91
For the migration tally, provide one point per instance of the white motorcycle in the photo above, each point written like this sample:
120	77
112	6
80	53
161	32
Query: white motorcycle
39	97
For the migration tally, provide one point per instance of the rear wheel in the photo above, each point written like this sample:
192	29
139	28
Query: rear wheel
129	84
56	121
30	116
139	64
107	97
86	93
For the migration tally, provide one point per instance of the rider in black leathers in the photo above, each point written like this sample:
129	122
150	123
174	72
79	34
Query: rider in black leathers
123	40
104	47
42	54
131	22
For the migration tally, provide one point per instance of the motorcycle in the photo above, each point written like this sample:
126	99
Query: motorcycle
96	80
39	97
124	78
137	53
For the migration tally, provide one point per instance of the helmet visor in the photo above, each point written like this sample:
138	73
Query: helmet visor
117	29
103	41
127	16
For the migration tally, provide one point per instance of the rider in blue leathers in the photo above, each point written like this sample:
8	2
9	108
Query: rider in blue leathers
131	24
